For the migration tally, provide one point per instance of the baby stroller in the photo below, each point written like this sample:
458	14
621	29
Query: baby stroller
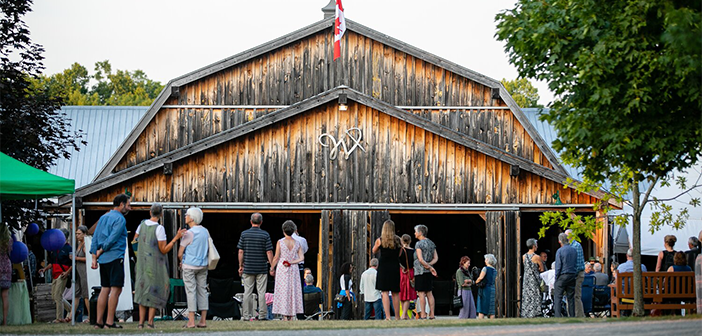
547	307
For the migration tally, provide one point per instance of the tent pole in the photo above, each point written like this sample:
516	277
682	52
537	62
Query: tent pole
73	262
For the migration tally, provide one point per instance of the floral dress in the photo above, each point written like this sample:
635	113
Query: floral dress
287	300
531	293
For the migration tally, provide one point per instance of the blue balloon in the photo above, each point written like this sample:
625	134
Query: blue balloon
19	252
32	229
14	238
53	240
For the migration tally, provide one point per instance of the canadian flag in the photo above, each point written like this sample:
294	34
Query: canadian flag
339	29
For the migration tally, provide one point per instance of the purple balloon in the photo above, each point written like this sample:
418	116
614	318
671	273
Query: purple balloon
53	240
32	229
19	252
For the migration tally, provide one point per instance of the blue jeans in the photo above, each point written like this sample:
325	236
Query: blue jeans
377	306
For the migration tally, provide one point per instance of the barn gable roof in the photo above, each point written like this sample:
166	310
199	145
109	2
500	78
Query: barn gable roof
305	105
173	85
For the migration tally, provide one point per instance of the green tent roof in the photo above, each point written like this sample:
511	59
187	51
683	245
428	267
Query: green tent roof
22	181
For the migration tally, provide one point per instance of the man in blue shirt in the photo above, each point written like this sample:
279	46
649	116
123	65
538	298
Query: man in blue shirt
566	259
107	248
580	268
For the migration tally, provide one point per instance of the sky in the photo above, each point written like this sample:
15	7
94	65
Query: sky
167	39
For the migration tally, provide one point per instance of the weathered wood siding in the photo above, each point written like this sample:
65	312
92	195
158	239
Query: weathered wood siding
284	162
304	69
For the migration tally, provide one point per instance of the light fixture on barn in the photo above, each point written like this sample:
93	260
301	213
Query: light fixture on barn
342	102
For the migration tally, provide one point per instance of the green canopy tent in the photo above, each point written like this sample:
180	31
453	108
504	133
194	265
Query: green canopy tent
22	181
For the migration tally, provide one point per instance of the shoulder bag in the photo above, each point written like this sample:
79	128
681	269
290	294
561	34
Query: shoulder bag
212	254
457	298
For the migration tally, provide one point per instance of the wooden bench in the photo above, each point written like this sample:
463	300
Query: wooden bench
659	288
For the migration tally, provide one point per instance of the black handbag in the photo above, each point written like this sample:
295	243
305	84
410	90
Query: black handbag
457	298
340	298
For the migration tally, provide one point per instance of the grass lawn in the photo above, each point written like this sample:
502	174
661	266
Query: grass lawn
175	326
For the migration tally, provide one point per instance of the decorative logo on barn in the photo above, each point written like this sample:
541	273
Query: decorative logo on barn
347	142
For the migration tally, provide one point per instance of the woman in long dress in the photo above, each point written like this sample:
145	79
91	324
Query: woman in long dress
486	295
388	279
288	290
82	292
464	280
152	287
531	293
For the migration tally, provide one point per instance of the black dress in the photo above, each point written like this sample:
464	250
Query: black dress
389	269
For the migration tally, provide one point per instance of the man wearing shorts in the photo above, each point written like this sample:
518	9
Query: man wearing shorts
108	246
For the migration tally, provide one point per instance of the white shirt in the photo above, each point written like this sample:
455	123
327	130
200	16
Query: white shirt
302	241
367	287
160	231
343	284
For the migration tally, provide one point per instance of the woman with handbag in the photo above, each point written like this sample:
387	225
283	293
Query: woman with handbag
344	300
464	282
152	284
193	254
486	285
407	292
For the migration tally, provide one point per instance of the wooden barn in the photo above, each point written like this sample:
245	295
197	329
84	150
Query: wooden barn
385	131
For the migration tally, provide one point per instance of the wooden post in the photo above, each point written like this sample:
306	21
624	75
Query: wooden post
494	225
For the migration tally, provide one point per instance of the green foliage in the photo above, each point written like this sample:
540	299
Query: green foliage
523	92
626	74
120	88
582	226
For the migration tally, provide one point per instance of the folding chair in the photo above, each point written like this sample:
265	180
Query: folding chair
312	303
221	300
177	305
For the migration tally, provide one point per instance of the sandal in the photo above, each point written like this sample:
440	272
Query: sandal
187	327
99	326
150	326
140	326
113	326
201	326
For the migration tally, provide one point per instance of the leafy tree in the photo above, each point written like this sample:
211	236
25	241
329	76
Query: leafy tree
523	92
32	128
118	88
627	80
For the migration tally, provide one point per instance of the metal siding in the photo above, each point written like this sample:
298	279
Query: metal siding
105	128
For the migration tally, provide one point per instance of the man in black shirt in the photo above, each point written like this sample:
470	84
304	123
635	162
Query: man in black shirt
255	253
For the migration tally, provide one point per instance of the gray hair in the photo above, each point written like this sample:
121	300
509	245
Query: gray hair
490	259
156	209
374	262
83	229
598	267
563	239
630	253
531	242
256	218
309	279
587	264
422	229
195	214
694	242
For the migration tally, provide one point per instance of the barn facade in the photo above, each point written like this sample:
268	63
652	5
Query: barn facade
385	131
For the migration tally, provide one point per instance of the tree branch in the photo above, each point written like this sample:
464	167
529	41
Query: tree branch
648	193
673	198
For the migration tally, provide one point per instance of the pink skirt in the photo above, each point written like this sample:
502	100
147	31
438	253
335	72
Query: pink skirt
407	293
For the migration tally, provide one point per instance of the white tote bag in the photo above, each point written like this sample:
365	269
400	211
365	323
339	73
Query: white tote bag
212	254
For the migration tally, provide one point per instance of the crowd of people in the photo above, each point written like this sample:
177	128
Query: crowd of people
398	276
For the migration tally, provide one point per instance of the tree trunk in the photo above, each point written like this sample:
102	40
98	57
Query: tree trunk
636	240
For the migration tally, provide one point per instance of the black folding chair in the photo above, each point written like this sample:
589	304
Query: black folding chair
312	303
221	300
